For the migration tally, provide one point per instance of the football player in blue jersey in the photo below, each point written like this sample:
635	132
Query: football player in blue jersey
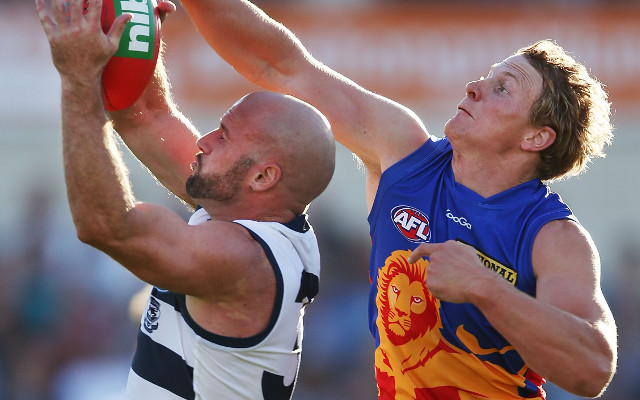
455	326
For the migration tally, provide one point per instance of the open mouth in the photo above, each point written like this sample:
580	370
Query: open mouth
195	163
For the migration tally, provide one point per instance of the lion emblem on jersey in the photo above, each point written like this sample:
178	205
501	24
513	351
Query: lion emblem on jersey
406	308
411	344
407	312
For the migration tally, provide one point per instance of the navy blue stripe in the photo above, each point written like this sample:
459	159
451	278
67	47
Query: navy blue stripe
299	224
167	297
251	341
162	367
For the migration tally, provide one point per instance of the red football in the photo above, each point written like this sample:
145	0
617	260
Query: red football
129	71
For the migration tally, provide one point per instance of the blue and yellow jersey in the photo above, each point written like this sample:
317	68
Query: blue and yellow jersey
431	349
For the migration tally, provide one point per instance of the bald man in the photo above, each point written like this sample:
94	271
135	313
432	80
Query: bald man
223	319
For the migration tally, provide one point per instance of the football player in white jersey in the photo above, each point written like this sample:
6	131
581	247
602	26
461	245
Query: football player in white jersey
232	284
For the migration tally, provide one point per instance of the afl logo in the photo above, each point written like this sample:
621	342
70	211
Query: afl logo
412	223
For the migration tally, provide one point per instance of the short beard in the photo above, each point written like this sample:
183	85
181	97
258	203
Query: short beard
219	187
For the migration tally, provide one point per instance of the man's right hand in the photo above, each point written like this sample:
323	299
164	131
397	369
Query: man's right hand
79	48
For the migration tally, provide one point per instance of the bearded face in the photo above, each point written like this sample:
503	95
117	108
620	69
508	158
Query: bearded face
218	187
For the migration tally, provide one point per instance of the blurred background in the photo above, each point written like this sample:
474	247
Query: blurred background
67	328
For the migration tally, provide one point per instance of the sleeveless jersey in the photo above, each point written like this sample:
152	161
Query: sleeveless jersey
176	359
431	349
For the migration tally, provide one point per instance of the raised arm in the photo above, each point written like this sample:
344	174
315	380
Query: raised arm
151	241
376	129
157	133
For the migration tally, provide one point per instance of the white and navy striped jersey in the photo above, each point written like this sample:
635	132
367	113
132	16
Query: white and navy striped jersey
177	359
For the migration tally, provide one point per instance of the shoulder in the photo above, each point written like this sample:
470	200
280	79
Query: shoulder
228	241
564	234
567	268
564	247
223	256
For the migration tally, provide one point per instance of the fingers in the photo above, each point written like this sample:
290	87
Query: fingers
118	26
60	10
93	9
424	250
164	8
50	17
76	10
67	12
48	24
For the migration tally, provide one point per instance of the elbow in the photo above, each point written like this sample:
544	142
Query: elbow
100	236
280	74
91	236
593	381
599	382
86	236
592	388
595	373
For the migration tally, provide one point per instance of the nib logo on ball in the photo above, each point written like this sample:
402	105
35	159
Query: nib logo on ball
128	72
140	30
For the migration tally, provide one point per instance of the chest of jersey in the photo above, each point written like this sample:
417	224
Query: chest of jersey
418	201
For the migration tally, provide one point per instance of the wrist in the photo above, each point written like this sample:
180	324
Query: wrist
82	94
485	289
82	83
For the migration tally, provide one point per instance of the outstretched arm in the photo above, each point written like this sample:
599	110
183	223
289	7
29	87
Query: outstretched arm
70	34
376	129
151	241
157	133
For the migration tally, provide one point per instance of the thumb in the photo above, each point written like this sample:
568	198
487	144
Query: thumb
165	7
115	32
424	250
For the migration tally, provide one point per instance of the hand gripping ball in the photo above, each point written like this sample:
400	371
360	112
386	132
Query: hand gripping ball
128	72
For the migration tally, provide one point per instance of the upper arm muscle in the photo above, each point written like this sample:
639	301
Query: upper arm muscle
567	268
202	260
164	141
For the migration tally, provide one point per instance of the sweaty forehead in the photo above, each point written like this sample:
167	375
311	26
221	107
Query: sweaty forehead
520	69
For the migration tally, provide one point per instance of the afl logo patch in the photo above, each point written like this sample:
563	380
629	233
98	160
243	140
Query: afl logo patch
412	223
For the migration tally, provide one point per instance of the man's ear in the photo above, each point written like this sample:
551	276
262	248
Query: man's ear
539	139
265	177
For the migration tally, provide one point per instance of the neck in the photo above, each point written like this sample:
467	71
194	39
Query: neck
488	177
256	212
